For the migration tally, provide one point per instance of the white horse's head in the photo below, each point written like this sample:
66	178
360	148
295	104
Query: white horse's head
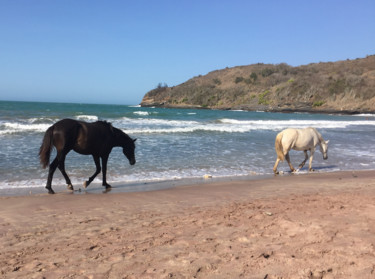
324	149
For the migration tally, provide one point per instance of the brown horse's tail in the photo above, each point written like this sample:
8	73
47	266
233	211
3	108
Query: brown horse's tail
46	147
279	147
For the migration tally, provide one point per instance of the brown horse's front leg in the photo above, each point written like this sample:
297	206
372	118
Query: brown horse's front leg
98	170
104	164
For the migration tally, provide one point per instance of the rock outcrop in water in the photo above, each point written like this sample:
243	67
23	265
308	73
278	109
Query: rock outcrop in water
343	87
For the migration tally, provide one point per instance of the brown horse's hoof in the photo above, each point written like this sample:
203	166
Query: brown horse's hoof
70	187
85	184
50	191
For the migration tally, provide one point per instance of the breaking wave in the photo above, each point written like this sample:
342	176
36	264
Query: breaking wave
154	125
230	125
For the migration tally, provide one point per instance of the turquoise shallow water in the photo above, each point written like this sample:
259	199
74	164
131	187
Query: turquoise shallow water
174	144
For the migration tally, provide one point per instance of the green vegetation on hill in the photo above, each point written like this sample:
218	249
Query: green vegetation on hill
343	86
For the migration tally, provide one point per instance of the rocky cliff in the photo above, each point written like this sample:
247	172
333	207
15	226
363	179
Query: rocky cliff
343	86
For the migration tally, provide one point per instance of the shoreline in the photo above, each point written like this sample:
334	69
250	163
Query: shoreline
152	186
318	225
132	187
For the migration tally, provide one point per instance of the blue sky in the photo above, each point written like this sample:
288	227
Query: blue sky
114	52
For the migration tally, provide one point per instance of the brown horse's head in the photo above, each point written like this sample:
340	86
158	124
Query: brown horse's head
128	150
127	143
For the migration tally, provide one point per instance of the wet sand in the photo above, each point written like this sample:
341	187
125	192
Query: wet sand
319	225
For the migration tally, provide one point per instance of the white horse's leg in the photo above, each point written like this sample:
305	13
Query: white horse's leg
275	166
304	161
289	163
312	150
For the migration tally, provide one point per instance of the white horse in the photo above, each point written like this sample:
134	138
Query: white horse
301	140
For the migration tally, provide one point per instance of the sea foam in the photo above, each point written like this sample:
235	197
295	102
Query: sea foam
90	118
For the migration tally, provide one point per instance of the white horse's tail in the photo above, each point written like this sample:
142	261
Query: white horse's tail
279	146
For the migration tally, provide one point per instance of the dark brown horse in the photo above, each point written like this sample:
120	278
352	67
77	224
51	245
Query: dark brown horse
96	139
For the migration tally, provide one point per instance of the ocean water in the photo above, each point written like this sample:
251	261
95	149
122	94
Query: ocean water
176	144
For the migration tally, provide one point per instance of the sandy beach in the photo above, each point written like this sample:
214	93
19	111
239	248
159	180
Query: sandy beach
319	225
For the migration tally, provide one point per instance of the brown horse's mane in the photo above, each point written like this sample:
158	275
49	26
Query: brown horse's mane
106	123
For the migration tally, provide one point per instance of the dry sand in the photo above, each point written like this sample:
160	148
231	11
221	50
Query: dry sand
300	226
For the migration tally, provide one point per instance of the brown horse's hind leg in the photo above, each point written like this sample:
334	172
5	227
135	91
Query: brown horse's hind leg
98	170
51	171
61	167
289	163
